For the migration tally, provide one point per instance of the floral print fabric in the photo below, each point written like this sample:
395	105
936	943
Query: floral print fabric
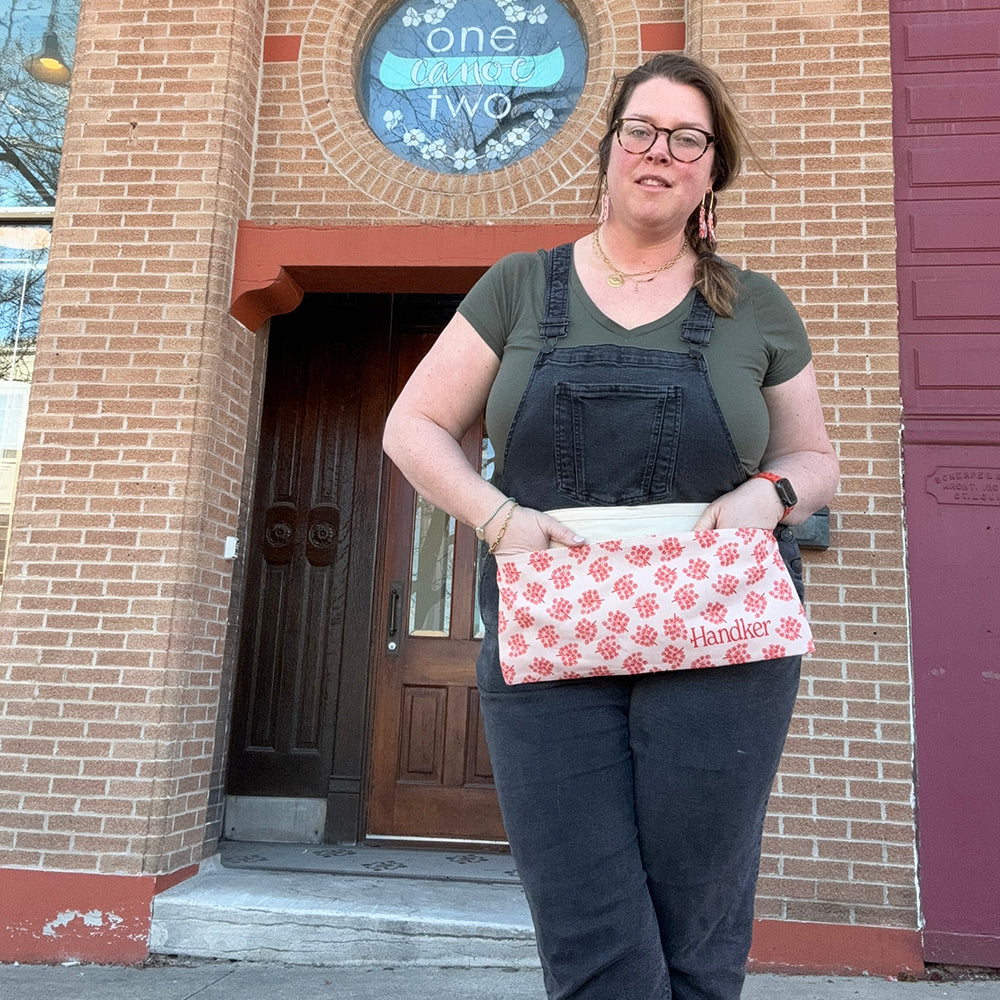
647	604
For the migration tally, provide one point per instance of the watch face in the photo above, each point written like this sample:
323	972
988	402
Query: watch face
785	493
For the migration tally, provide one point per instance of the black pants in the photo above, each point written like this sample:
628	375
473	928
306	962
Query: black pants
634	809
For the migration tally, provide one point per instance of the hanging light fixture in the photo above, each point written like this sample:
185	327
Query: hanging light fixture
48	65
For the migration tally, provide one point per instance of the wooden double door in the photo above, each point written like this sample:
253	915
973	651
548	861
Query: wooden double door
359	625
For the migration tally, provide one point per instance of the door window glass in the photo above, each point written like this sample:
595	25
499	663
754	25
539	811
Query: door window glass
486	468
433	564
432	570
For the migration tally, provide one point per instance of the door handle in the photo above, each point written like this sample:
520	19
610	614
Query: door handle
392	625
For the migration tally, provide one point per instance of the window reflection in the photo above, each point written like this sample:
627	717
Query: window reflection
431	573
32	111
486	468
433	562
24	253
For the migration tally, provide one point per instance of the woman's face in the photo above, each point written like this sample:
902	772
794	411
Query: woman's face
652	188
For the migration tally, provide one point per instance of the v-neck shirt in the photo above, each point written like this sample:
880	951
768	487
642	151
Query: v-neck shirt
763	344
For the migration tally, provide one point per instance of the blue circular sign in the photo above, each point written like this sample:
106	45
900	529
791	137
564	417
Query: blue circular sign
469	86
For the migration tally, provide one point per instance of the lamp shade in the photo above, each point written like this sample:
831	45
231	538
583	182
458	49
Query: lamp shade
48	65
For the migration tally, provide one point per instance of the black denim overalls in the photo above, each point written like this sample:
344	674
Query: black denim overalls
633	806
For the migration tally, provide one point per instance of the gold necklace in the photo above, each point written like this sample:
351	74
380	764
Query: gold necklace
617	276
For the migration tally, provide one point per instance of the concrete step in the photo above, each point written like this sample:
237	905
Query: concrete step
301	918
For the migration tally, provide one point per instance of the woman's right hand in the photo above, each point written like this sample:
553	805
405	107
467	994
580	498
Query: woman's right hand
529	530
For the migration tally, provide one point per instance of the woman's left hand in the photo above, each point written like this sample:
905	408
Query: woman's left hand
754	504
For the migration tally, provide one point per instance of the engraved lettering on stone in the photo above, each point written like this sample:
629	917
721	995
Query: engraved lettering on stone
952	485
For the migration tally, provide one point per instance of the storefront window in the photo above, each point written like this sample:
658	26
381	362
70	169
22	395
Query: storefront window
36	48
24	252
473	86
37	38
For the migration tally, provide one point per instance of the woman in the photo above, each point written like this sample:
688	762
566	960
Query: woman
634	806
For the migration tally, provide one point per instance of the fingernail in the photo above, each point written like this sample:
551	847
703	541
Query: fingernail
578	539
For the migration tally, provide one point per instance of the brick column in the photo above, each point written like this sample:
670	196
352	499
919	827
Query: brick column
113	611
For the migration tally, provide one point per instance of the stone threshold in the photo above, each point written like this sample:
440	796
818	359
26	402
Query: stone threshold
325	919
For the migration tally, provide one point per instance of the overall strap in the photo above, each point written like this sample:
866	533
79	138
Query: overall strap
698	326
556	320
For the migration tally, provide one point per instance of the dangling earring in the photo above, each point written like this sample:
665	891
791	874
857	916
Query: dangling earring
706	218
604	208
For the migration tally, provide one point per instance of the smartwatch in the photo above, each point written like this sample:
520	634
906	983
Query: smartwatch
784	489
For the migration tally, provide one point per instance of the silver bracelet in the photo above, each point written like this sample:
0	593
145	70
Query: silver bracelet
481	530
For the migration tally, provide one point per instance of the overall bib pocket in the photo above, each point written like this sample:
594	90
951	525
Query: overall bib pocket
616	443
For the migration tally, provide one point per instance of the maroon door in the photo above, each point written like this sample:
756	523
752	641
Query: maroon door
946	114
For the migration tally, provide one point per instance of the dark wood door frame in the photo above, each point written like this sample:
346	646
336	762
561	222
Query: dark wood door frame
272	703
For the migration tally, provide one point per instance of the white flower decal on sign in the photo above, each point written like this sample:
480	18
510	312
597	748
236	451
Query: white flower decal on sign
513	12
433	150
392	119
465	159
414	137
544	117
497	150
518	136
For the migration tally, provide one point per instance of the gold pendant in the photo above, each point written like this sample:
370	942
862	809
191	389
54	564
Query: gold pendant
615	280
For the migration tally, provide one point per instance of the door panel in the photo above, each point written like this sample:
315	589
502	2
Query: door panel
431	775
299	720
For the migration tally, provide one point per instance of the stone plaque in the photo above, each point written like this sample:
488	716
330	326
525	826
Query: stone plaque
980	486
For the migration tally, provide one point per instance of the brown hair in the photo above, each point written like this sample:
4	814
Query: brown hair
713	278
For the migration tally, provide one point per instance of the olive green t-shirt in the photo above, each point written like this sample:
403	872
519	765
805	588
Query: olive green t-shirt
764	344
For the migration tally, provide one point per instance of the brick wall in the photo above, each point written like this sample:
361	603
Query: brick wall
113	613
114	606
840	838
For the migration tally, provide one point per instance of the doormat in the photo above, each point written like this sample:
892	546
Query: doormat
371	862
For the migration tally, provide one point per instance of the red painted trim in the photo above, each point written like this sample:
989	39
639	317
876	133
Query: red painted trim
282	48
666	36
164	882
276	265
258	302
48	917
834	949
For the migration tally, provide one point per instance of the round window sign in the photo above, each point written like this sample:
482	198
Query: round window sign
468	86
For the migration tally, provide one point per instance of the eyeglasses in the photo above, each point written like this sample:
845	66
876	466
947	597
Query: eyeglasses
685	144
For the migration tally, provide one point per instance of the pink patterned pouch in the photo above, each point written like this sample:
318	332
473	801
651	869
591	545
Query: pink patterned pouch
647	604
